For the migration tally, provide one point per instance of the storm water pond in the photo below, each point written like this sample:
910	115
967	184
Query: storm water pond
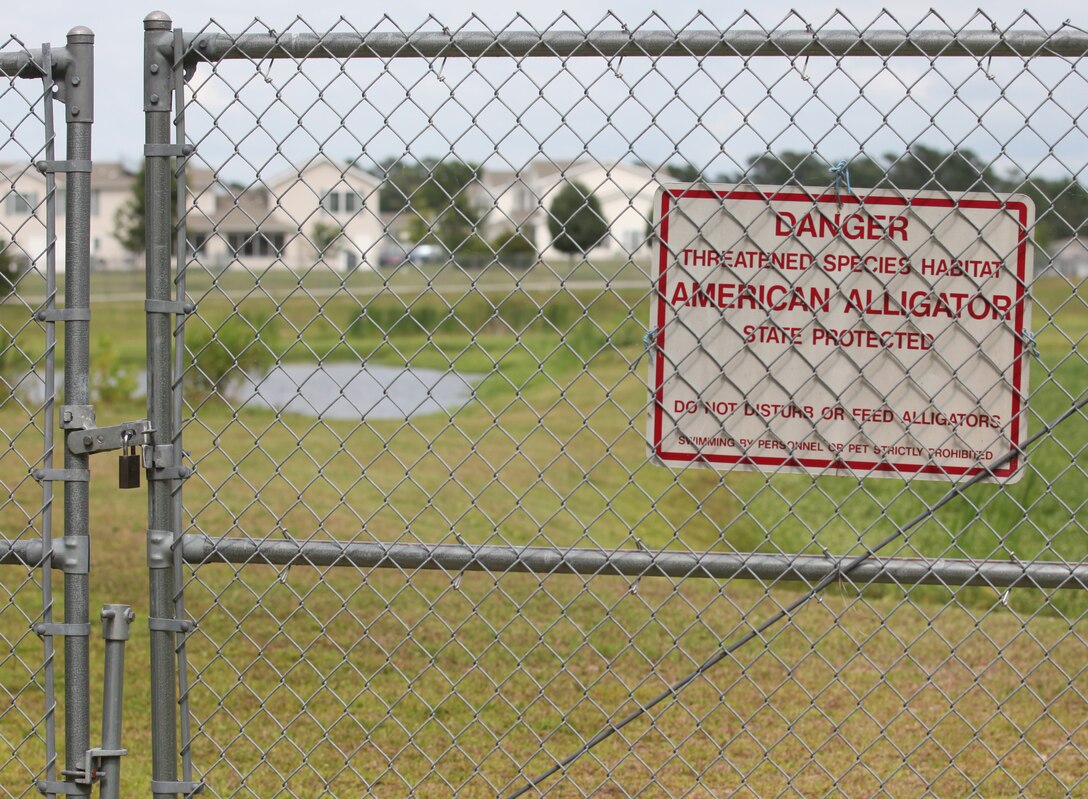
330	390
351	391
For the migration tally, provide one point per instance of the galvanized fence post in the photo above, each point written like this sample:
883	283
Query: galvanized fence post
79	116
158	42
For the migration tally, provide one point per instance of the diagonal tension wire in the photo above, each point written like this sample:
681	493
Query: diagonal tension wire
846	566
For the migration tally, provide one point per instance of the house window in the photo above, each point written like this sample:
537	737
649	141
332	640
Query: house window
262	245
347	202
21	204
96	201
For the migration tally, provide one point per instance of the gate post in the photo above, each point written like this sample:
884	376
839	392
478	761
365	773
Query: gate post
158	44
78	92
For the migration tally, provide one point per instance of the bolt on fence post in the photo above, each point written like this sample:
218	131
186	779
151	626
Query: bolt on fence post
79	115
158	42
115	628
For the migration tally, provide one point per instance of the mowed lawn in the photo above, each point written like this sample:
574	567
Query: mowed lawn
343	681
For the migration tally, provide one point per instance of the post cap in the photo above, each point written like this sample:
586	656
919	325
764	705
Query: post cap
81	34
157	21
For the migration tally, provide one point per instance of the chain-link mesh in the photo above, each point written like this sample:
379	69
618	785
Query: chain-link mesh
27	281
430	552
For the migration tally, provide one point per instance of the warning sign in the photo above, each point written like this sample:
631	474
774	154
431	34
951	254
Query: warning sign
883	336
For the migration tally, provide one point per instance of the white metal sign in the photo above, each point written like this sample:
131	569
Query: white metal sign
883	336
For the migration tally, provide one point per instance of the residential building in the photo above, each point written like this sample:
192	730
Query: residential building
324	211
22	213
521	200
320	211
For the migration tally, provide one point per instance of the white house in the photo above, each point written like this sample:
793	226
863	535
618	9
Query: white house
521	200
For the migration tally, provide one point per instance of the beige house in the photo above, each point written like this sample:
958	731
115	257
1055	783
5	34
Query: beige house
320	212
521	200
22	213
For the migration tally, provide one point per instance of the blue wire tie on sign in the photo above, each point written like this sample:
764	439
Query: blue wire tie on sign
1031	344
648	341
841	172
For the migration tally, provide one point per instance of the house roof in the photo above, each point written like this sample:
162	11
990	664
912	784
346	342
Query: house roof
291	176
105	175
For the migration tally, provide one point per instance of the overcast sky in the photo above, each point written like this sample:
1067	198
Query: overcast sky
703	123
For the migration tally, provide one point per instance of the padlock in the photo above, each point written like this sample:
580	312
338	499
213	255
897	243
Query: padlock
128	466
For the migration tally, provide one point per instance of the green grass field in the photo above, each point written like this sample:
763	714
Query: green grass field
340	681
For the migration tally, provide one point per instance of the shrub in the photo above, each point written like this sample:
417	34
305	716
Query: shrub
514	249
243	344
111	381
325	238
473	253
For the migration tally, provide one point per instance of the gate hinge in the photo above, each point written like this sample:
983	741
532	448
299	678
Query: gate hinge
72	554
103	439
182	626
161	463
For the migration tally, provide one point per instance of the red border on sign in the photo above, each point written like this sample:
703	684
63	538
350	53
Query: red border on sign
1016	429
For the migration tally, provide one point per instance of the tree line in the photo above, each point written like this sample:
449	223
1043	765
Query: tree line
1061	204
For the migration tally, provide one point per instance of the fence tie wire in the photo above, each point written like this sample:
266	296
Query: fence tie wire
649	341
841	171
1031	344
846	566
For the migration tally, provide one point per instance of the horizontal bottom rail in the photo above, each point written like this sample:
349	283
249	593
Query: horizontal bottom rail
632	563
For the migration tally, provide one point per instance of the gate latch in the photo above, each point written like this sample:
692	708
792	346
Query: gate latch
104	439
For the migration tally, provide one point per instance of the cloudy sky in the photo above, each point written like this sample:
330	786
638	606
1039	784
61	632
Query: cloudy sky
713	114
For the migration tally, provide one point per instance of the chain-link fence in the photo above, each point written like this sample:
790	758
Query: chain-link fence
28	246
430	289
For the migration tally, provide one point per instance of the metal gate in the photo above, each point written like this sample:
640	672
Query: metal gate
30	236
422	549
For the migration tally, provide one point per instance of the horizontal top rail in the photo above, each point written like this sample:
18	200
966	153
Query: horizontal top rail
21	64
28	63
611	44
